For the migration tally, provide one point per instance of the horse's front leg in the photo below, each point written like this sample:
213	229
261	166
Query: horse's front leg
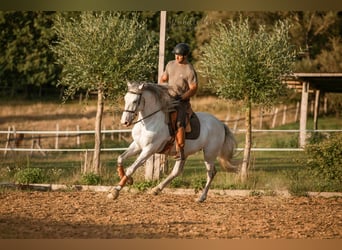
144	155
132	150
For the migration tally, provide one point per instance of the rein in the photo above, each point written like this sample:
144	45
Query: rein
146	117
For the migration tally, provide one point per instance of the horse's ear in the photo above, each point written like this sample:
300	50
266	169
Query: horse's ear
141	86
129	83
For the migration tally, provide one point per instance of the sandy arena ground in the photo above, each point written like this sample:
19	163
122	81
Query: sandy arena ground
87	214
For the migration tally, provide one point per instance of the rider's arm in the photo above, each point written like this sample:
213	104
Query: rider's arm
192	91
164	78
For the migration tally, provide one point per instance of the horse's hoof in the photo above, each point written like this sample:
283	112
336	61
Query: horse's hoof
156	191
114	194
129	180
201	199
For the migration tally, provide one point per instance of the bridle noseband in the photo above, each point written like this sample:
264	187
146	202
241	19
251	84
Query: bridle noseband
135	111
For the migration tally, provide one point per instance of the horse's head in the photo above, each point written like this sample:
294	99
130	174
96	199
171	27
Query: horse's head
132	103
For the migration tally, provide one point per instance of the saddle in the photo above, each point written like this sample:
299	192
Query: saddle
192	129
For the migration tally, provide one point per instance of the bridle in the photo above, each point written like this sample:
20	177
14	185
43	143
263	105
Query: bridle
135	111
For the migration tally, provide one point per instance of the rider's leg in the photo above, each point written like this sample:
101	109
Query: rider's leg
180	133
180	142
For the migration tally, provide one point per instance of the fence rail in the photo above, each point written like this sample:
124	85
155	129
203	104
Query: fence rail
67	132
80	132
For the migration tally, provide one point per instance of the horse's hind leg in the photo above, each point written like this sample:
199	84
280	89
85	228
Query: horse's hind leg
177	169
211	172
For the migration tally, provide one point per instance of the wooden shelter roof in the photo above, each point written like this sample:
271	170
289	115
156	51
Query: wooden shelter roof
325	82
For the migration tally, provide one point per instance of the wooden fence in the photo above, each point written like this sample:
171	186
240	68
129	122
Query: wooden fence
31	141
13	139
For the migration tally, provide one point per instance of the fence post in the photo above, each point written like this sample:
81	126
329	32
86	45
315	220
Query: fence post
78	140
274	117
57	136
103	134
325	107
14	136
297	112
303	114
236	122
119	134
38	146
261	116
8	140
32	145
85	165
284	115
112	134
316	110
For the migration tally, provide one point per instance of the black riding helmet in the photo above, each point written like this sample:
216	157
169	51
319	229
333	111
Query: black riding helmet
181	49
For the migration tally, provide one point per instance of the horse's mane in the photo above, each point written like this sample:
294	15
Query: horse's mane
160	92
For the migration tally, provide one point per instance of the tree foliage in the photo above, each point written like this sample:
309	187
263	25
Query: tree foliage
246	65
180	27
100	51
27	63
106	48
240	63
318	34
324	162
26	59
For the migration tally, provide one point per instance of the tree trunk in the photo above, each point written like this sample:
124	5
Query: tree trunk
248	143
97	149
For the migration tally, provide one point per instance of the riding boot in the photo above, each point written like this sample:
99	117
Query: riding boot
180	142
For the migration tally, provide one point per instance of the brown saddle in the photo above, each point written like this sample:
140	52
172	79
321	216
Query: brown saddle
192	130
193	126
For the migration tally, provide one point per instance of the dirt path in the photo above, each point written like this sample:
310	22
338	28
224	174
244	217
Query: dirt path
85	214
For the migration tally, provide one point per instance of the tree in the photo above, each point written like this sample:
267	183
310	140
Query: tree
26	59
100	51
247	66
318	34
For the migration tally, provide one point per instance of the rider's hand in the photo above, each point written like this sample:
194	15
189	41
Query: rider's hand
178	98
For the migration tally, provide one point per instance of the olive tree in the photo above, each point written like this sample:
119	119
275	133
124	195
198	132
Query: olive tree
99	52
248	66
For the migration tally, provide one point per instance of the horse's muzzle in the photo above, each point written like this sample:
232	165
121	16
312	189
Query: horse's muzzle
127	118
127	124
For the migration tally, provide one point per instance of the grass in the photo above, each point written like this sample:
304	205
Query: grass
268	171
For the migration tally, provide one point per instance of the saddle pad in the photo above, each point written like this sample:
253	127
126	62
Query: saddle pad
195	128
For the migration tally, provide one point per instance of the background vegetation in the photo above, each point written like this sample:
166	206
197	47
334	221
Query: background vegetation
28	68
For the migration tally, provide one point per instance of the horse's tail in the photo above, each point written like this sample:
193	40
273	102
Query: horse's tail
227	151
